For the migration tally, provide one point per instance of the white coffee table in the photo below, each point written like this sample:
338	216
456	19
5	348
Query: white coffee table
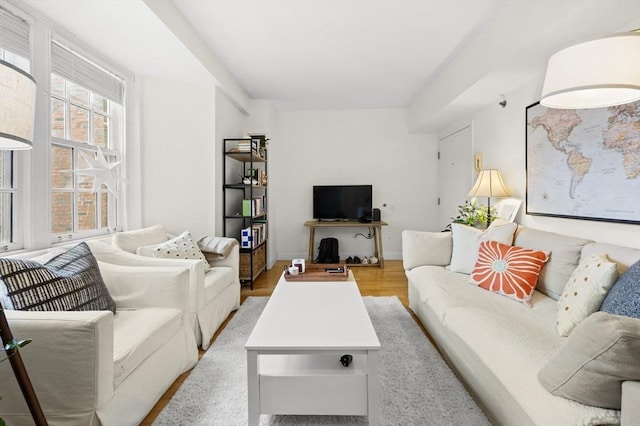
294	351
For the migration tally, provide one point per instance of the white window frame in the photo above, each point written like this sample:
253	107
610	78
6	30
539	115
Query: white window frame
117	149
112	152
32	168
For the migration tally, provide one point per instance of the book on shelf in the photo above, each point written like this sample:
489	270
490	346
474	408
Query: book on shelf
262	177
255	206
245	238
253	236
252	145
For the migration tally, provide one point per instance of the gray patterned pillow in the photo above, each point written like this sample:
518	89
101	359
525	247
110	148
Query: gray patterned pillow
70	281
624	296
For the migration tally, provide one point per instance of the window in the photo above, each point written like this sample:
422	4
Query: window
86	131
79	131
14	49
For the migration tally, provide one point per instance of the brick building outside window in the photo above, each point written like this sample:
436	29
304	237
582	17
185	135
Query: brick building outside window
82	119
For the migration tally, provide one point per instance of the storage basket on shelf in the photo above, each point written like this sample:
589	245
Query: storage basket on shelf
259	262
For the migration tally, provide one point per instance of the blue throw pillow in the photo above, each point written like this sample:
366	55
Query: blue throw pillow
624	296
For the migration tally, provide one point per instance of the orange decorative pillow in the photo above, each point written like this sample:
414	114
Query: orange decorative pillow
508	270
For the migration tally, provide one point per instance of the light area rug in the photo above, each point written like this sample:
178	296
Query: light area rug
416	385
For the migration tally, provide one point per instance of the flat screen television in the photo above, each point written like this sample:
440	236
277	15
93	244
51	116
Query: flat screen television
342	202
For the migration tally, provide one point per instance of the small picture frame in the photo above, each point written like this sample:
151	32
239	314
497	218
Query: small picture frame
508	209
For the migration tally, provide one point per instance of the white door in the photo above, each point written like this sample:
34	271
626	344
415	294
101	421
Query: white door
455	173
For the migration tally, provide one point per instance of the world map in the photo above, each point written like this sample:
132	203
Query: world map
584	163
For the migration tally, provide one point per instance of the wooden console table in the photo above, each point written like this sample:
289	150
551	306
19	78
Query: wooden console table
377	236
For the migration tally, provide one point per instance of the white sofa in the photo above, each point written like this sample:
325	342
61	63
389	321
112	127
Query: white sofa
94	367
496	345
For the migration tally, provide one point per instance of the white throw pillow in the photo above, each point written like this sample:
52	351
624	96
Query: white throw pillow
180	247
425	248
587	287
131	240
466	243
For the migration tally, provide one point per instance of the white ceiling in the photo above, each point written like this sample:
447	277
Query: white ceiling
127	33
341	54
320	54
302	54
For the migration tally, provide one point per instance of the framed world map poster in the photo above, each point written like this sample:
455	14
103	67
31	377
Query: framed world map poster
584	164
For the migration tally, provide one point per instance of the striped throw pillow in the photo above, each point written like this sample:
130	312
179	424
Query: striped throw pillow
70	281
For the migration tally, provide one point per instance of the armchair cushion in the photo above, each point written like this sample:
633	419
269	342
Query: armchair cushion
70	281
216	281
131	240
138	334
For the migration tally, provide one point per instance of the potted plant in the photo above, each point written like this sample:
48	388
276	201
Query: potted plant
474	214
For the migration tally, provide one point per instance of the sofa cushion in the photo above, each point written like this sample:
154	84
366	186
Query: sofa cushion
624	257
180	247
513	343
138	333
564	256
131	240
466	242
600	353
425	248
585	291
508	270
71	281
443	290
624	296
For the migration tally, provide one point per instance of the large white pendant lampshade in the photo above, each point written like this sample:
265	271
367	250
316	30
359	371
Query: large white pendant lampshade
594	74
17	107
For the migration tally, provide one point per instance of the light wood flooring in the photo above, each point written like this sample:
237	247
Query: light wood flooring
372	281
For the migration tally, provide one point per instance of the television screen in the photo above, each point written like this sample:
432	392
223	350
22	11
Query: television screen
342	202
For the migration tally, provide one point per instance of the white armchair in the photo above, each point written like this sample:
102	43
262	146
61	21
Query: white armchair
213	294
94	367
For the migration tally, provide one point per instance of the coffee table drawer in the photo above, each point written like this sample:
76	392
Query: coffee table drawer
313	384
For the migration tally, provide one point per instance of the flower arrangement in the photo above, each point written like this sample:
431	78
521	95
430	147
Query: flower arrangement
473	214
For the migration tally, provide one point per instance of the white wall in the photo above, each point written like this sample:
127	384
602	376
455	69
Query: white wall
177	155
351	147
229	122
500	135
262	121
512	49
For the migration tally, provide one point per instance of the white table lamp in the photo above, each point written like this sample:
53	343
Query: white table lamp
489	184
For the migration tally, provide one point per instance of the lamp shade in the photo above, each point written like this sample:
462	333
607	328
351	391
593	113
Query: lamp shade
594	74
489	184
17	107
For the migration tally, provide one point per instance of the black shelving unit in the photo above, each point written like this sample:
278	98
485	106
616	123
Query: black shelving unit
244	202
